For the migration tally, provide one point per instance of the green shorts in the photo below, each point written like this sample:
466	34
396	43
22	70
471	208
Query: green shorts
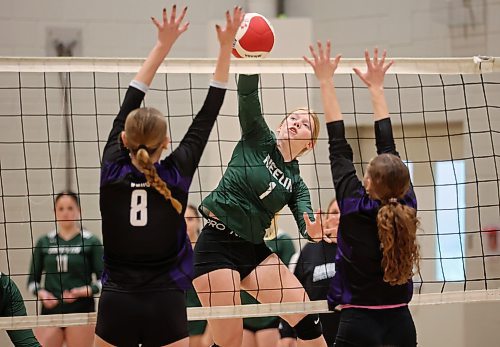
197	327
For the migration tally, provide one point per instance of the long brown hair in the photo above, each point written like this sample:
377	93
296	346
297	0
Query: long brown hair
145	129
397	223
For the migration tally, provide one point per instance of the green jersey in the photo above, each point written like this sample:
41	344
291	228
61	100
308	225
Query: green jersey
258	182
12	304
66	264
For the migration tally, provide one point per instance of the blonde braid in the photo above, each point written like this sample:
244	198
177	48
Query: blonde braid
154	180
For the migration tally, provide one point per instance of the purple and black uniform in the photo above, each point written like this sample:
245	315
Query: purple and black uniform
359	275
146	248
155	252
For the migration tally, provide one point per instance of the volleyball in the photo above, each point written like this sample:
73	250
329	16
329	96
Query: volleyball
255	37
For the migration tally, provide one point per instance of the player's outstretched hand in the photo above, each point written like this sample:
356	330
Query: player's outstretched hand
323	66
316	230
375	70
170	28
226	35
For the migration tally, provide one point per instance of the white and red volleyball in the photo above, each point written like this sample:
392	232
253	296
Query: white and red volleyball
255	37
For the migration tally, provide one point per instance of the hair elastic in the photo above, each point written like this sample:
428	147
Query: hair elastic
143	147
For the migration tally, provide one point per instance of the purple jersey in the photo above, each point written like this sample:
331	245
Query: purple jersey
145	241
359	275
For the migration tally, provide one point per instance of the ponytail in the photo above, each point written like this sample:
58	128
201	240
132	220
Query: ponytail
397	231
154	180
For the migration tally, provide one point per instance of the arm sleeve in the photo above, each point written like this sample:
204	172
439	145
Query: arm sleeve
15	307
97	264
188	154
343	172
36	268
114	149
252	122
300	203
384	138
385	144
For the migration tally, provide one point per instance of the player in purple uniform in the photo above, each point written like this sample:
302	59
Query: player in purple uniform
147	254
377	246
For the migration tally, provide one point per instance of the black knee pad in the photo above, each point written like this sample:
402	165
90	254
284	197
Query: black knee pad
309	328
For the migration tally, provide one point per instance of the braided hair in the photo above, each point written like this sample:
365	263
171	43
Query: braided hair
145	129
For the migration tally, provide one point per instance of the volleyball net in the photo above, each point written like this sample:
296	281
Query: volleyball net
446	121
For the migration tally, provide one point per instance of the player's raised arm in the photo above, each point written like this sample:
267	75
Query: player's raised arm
225	36
168	30
169	27
373	78
188	154
324	68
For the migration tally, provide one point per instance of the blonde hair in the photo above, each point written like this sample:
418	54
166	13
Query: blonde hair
145	129
397	223
314	131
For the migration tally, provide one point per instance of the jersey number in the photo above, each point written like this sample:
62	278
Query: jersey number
62	262
272	185
139	208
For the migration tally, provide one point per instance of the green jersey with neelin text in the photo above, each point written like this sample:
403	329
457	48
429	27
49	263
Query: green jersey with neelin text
67	264
258	182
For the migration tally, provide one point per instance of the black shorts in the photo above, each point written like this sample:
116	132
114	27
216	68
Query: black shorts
329	323
374	328
81	305
152	319
286	331
222	249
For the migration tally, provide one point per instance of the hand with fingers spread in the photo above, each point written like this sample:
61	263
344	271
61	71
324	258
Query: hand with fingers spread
375	70
323	66
170	29
374	80
226	35
317	230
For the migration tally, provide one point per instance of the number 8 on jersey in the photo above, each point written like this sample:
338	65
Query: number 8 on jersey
139	208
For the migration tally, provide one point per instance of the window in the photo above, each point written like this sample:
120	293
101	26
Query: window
450	220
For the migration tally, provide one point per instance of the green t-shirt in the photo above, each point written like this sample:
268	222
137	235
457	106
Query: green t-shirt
66	264
258	182
12	304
